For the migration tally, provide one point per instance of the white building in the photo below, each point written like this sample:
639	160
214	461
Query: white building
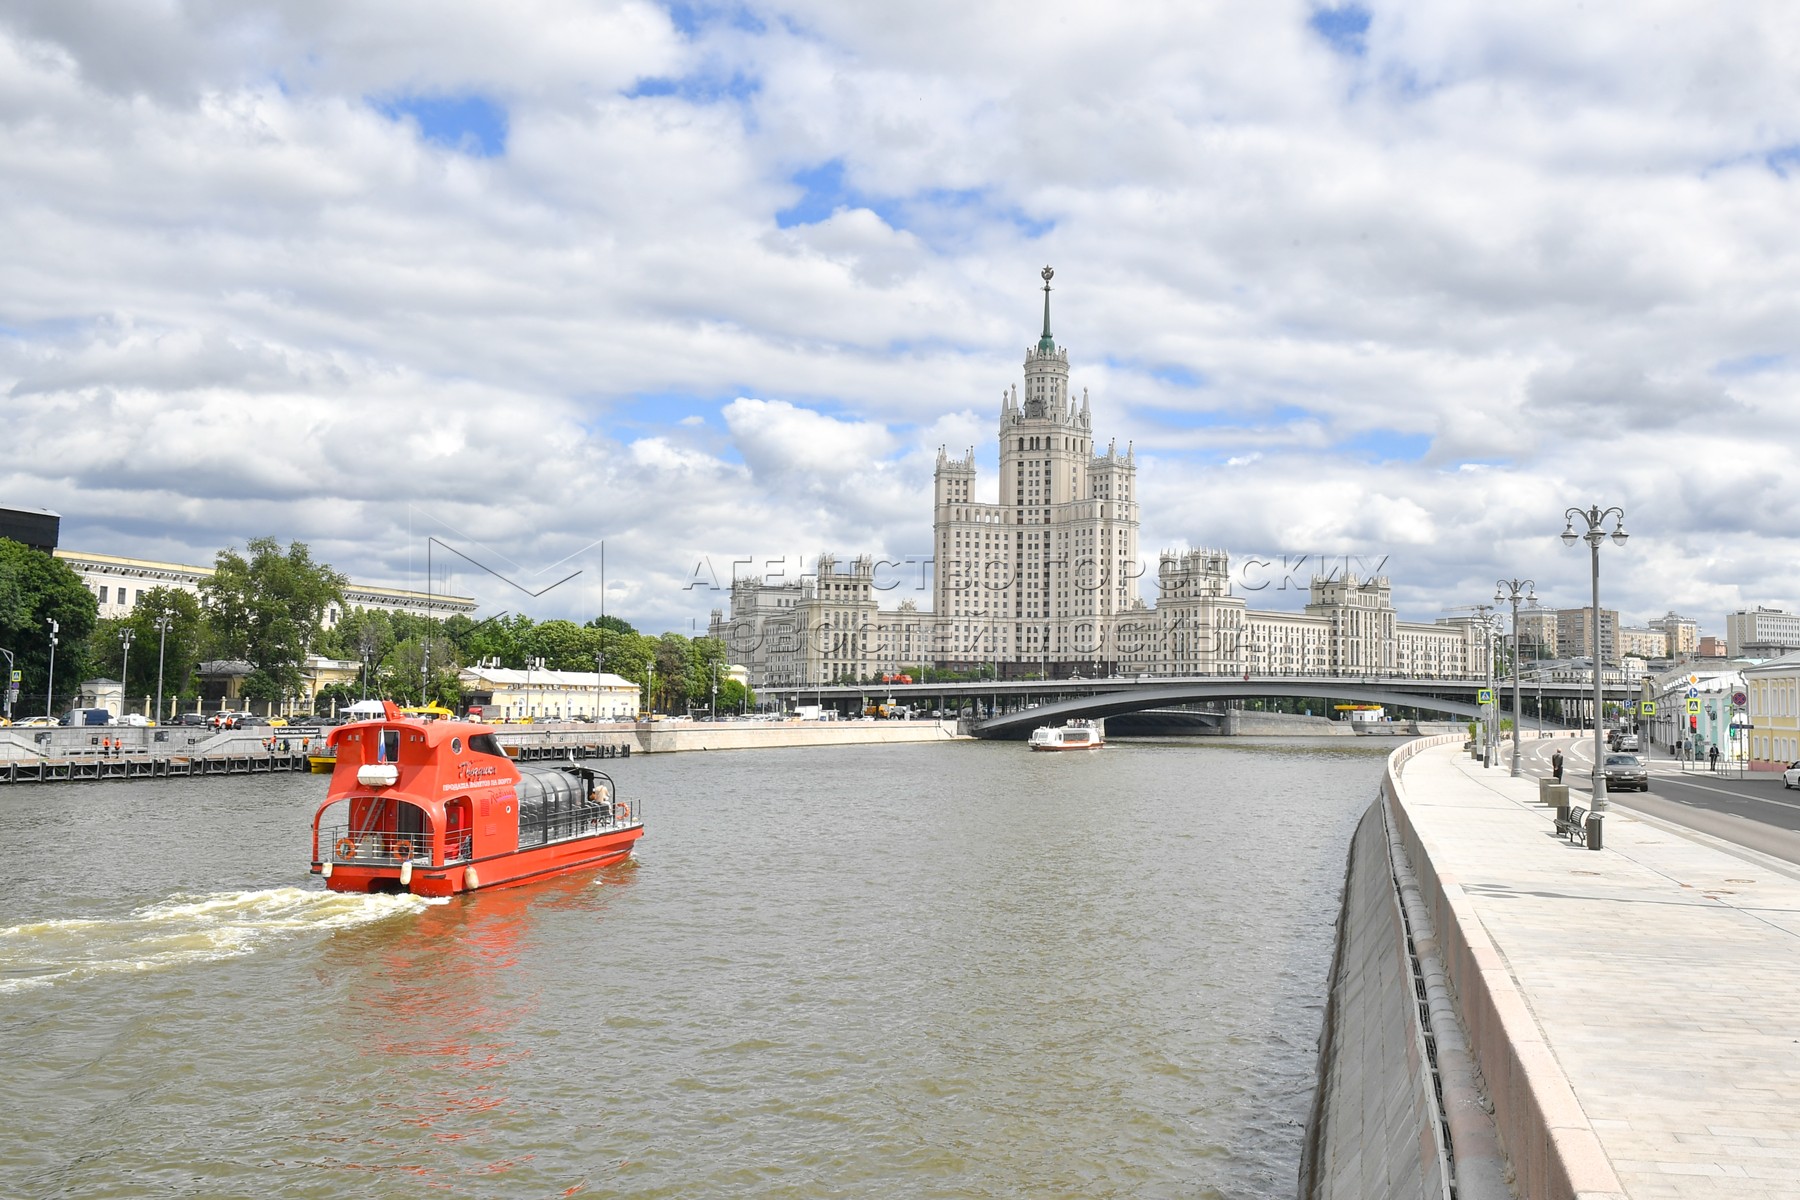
1046	580
119	583
504	694
1761	632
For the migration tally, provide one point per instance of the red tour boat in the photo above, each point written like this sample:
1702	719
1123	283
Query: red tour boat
435	808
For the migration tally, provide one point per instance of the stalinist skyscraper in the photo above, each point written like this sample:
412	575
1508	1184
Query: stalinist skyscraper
1041	577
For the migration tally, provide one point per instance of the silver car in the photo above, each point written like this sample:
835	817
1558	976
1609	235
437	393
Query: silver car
1790	778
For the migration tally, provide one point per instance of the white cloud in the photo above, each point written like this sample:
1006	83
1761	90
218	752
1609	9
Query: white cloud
1417	301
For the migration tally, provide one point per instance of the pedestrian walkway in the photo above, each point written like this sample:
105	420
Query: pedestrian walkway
1661	974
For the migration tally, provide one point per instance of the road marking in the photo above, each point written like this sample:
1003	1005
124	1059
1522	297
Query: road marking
1701	787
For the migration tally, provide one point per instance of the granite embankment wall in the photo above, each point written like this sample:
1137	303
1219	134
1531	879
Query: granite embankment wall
1399	1112
649	737
1549	1146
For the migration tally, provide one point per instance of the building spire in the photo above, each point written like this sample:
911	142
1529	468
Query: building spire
1047	344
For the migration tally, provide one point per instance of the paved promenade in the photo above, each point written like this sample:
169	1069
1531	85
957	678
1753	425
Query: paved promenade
1649	992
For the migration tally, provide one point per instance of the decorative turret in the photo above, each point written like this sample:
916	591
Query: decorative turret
1047	344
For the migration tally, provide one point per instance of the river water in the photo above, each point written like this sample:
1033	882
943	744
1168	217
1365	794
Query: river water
957	970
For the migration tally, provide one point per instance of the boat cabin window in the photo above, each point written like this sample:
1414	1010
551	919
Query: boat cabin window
485	743
390	746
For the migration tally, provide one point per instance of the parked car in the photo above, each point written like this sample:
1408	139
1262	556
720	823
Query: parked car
34	722
135	720
1790	778
1626	772
192	718
87	716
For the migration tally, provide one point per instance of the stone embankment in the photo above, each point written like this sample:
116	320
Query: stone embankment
1629	1012
123	752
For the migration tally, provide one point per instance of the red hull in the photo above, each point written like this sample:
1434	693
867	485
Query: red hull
500	870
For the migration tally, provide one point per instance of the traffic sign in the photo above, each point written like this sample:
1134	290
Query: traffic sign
1647	707
1692	692
1485	696
1739	699
1693	706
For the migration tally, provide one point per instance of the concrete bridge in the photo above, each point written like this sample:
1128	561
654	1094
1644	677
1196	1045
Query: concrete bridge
1018	706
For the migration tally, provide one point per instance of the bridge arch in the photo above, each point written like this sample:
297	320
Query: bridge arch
1136	699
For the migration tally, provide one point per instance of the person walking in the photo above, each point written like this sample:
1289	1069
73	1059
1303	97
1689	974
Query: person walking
1712	758
1556	765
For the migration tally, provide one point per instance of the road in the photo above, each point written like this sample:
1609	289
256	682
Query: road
1753	811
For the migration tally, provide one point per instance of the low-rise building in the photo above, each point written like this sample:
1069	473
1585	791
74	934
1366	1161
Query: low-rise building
1772	689
503	694
1696	709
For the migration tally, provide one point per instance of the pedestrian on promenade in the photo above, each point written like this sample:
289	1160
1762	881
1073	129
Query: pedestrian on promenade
1556	765
1712	758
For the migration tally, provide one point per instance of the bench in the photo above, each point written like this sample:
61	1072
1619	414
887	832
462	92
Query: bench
1573	826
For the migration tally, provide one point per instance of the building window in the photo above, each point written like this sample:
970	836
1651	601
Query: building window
103	595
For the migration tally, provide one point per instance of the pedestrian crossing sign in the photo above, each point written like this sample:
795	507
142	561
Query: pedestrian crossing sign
1693	706
1647	707
1485	696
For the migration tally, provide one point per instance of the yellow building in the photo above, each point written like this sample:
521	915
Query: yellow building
1773	690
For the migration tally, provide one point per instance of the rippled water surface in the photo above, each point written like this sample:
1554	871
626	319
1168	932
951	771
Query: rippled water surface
949	970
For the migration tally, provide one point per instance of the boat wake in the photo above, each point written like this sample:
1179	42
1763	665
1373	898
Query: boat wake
182	930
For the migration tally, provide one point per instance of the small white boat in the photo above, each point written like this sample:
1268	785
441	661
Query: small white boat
1076	735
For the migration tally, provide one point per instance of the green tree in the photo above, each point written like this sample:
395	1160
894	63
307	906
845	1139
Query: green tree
564	645
674	683
182	648
269	610
35	589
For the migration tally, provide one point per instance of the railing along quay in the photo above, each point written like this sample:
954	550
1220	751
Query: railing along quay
138	766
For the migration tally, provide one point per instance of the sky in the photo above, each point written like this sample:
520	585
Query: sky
477	288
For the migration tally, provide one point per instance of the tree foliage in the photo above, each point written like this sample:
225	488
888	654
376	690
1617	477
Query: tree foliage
35	589
268	610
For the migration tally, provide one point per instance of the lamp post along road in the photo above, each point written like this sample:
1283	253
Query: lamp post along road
1596	518
1515	590
50	683
162	644
125	670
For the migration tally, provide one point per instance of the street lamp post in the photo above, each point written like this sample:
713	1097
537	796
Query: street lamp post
162	644
1596	518
125	670
599	679
8	683
50	683
1514	590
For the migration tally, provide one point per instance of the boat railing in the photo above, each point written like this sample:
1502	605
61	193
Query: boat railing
347	845
561	827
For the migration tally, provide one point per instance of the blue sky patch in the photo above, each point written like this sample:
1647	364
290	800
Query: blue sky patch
470	123
1387	445
691	19
1750	364
1783	159
938	215
702	87
1345	28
